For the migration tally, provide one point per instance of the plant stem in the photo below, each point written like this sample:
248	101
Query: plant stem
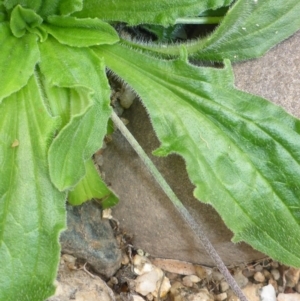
199	20
197	229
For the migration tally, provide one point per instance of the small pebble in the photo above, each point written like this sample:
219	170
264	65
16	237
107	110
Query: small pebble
217	276
275	285
288	297
240	279
118	110
275	273
126	97
224	286
280	289
176	289
163	286
171	276
275	264
248	273
137	259
202	295
201	272
288	290
258	268
190	280
149	297
297	287
267	274
259	277
292	277
137	298
125	259
107	213
70	261
142	265
220	297
251	291
112	281
140	252
233	297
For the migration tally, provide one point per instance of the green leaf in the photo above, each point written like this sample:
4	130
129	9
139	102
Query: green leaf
32	210
75	79
250	29
67	7
23	20
16	61
133	12
80	32
241	151
92	187
3	13
47	7
30	4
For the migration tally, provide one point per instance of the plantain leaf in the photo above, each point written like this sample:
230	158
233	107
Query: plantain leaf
77	89
23	20
47	7
241	151
90	187
133	12
32	210
250	29
14	56
31	4
80	32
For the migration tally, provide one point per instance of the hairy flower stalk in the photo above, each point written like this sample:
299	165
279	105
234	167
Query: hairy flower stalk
179	206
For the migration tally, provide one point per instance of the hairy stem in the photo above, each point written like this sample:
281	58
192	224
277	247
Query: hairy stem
197	229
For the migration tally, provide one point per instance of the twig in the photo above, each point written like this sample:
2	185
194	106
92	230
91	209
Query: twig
197	229
89	273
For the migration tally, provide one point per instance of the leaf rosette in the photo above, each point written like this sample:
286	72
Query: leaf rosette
241	151
55	104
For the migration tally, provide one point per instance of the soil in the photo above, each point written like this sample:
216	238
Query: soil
133	281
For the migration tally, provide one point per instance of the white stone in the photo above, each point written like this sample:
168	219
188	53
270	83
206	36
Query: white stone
146	283
150	282
268	293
